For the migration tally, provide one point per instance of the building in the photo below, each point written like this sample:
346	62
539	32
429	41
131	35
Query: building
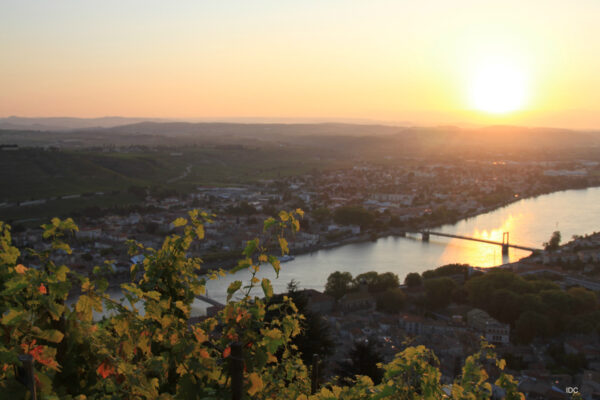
318	302
88	233
361	300
491	329
416	325
412	324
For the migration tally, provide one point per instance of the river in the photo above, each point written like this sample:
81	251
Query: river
530	222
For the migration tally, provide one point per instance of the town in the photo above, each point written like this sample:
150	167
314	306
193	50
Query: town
436	309
354	204
443	310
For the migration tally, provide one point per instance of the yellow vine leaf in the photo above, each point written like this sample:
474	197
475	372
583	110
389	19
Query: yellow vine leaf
179	222
200	335
121	327
86	285
256	384
501	364
143	343
173	339
179	304
204	353
284	216
20	269
181	369
273	334
284	245
166	321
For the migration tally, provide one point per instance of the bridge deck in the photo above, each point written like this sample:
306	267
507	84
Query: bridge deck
209	300
514	246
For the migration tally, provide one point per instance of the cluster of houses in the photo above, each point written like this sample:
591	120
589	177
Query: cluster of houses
576	263
453	337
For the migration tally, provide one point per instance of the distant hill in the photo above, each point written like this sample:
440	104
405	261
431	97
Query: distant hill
200	129
66	123
346	140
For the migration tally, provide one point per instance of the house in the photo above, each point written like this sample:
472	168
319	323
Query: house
88	233
491	329
361	300
318	302
415	325
412	324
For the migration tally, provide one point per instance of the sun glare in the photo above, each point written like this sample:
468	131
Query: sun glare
498	87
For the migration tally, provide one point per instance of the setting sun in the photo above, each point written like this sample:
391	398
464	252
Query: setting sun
498	87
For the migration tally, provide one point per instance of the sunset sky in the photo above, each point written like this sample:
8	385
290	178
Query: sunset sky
534	62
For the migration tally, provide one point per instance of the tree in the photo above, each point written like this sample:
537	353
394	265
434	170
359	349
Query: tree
376	282
292	286
386	281
322	214
315	337
338	284
353	215
505	306
243	209
439	292
413	280
586	323
554	242
366	278
447	270
362	360
480	287
391	301
582	300
154	350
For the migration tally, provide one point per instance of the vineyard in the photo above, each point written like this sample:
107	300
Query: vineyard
149	349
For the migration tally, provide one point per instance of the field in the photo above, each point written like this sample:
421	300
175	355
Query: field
102	178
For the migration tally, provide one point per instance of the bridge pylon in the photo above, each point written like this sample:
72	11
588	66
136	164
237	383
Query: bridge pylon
425	236
505	243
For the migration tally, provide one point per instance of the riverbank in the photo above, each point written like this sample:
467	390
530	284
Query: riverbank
371	235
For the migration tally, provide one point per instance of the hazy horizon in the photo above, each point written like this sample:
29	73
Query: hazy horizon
27	122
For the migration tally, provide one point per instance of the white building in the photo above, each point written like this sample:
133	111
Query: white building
88	233
491	329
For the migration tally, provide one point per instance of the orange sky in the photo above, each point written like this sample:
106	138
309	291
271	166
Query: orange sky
380	60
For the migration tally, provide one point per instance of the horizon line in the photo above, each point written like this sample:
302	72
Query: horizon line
302	121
